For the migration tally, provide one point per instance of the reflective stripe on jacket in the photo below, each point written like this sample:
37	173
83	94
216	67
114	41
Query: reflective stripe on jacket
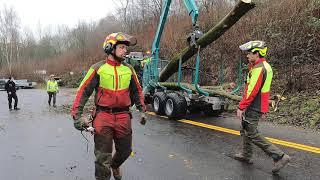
115	85
257	89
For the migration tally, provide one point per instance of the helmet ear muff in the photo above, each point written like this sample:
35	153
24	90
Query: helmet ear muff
108	48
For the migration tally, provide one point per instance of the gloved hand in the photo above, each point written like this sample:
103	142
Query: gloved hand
80	124
143	119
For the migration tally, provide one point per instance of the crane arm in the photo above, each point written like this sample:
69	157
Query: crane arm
192	11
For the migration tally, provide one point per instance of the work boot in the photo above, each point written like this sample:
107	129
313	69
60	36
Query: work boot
117	173
281	163
54	105
16	108
242	158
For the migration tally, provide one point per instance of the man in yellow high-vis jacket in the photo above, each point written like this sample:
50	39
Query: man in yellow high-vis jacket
52	90
254	104
115	84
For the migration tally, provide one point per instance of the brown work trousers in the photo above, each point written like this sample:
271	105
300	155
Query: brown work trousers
251	135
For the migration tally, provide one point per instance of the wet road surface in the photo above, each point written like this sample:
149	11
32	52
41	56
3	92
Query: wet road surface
39	143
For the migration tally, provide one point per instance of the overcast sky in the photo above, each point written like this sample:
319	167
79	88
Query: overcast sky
55	12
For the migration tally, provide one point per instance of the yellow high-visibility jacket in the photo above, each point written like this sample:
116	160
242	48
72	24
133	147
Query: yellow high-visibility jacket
257	90
116	86
52	86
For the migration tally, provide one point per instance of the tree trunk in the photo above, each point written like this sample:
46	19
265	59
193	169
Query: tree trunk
241	8
213	91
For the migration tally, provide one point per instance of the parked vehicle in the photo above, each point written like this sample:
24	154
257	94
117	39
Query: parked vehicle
25	84
2	84
59	80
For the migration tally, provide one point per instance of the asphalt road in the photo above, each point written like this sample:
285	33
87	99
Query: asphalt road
39	143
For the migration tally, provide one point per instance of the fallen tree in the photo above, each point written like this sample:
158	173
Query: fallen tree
241	8
213	91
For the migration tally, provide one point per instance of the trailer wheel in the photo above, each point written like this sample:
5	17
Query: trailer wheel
158	104
210	112
147	99
176	105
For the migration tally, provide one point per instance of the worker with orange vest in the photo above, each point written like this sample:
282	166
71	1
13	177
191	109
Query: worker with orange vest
115	84
254	104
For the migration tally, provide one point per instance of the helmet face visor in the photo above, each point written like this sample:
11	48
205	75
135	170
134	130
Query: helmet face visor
125	39
120	38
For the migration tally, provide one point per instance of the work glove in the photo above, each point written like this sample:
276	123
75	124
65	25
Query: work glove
143	119
80	124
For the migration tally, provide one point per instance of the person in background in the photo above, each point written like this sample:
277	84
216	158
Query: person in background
52	89
10	87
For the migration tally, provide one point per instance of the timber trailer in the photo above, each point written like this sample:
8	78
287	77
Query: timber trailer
177	100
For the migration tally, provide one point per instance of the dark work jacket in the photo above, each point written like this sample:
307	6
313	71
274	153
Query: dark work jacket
10	87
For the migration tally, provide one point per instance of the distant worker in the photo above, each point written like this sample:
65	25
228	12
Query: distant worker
10	87
135	62
254	104
115	83
146	59
52	90
143	63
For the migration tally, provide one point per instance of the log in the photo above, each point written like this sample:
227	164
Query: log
212	92
241	8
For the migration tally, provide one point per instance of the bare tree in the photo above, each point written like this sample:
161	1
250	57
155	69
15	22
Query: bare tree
9	36
122	9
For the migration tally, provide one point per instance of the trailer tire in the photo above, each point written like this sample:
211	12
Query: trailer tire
147	99
158	103
175	106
